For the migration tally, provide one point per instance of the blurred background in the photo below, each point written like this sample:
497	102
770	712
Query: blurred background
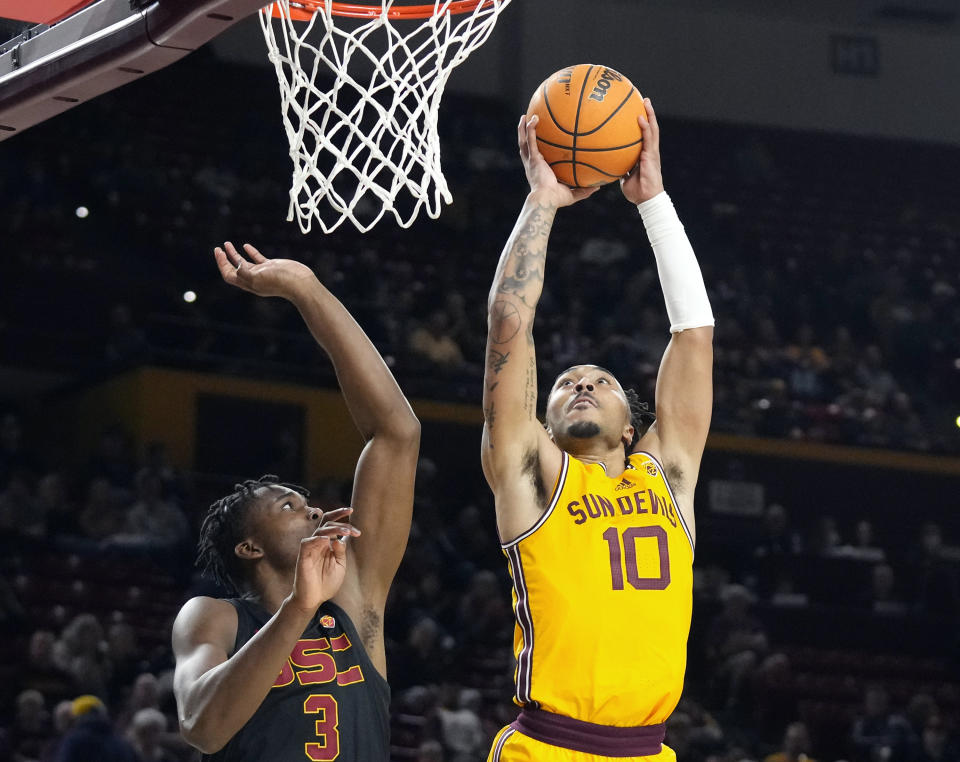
812	150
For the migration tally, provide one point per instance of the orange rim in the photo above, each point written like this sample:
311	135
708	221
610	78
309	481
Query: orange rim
303	10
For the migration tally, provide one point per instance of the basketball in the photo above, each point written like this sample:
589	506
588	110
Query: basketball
588	131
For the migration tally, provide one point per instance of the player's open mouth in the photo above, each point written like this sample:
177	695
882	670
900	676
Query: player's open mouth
581	402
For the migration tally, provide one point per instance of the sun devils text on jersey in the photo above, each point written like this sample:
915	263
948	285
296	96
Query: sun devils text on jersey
603	596
328	703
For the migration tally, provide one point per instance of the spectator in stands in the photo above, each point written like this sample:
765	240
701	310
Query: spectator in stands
775	554
102	515
153	520
18	511
779	539
938	589
144	694
57	506
796	745
145	734
431	341
877	731
43	673
113	459
736	641
31	724
92	737
874	377
81	650
62	722
126	658
463	736
883	598
775	697
920	708
937	744
425	657
826	536
430	751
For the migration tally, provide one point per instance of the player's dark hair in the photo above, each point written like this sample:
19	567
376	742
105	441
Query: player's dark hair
640	417
224	526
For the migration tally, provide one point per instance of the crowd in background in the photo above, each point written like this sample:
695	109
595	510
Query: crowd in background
834	281
834	278
832	636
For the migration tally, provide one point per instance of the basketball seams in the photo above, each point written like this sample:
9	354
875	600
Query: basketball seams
587	166
612	113
553	117
591	150
576	123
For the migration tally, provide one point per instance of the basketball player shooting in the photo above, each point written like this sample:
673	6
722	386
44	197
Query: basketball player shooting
294	668
595	509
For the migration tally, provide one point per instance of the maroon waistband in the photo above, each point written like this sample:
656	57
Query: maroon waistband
577	735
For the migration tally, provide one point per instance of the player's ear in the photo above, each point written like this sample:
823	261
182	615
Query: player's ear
248	550
549	431
627	436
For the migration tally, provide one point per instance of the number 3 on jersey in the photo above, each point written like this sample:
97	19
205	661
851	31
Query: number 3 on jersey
627	559
329	747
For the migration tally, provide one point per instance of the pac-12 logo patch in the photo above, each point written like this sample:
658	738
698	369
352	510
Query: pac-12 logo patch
651	468
327	621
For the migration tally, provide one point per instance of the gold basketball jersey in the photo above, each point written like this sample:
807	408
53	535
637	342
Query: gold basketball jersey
602	594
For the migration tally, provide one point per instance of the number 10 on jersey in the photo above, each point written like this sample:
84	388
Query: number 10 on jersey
623	557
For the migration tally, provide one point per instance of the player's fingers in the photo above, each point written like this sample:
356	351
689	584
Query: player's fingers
254	253
336	529
235	258
336	514
652	119
532	147
226	267
522	136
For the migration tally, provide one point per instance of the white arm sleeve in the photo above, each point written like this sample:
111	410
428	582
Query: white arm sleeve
680	279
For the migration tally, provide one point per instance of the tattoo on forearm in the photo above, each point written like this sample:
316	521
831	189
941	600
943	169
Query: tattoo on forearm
489	415
504	322
498	360
530	392
525	262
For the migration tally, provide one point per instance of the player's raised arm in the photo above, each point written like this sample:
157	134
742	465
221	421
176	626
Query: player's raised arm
383	484
511	434
684	395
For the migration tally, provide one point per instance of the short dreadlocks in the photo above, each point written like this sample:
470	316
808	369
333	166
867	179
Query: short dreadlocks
640	417
224	526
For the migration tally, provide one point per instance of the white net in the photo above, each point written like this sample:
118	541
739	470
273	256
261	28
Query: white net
366	143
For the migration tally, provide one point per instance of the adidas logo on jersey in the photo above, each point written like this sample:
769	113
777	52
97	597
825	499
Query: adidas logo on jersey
624	484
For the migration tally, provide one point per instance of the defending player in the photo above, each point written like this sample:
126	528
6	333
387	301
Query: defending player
595	510
295	669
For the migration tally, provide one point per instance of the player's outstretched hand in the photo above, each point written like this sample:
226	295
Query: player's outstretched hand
322	561
258	274
645	180
541	178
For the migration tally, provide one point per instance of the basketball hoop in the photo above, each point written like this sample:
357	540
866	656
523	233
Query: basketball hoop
361	143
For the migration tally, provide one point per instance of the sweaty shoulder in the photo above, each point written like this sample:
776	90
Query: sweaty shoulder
205	620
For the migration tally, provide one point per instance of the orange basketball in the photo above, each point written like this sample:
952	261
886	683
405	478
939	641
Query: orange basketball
588	131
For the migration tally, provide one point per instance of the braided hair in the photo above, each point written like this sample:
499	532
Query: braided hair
224	526
640	417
